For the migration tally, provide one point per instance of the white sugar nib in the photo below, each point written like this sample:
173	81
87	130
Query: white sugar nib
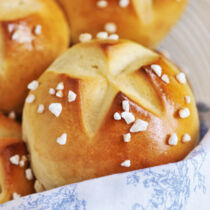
126	163
62	139
139	125
56	109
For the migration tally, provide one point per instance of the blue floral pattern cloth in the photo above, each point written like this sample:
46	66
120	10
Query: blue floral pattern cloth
182	185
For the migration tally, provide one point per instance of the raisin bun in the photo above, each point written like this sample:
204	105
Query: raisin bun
107	107
32	34
16	178
143	21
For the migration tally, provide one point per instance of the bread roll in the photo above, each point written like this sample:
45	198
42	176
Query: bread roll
13	162
107	107
143	21
32	34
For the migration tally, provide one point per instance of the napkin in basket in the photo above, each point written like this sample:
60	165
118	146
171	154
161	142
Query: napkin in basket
176	186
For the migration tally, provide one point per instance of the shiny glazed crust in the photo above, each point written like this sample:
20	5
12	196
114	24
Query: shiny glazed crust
32	34
103	74
146	22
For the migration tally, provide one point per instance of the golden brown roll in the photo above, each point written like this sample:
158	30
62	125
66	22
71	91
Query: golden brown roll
16	178
32	34
143	21
107	107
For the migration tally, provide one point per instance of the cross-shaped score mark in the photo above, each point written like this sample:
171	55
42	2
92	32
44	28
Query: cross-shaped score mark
105	70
